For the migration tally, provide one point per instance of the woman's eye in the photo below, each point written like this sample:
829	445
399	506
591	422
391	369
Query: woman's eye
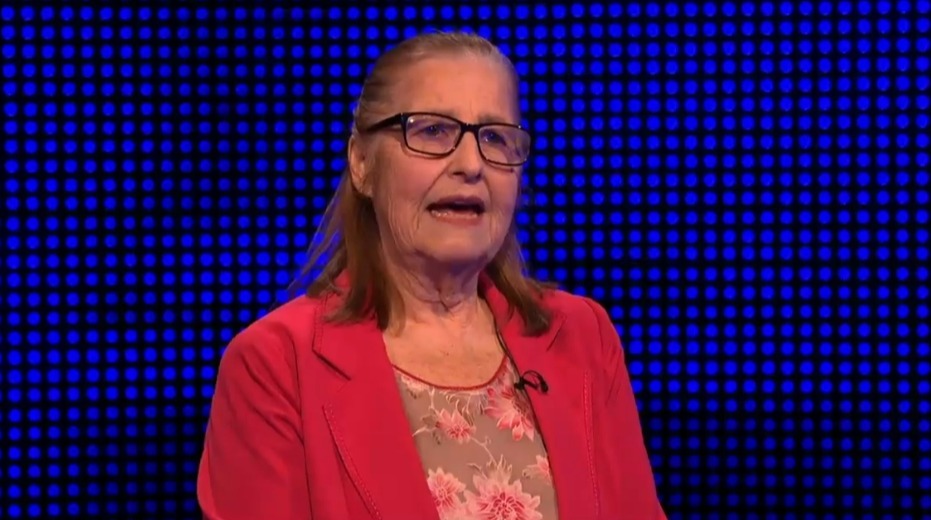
494	138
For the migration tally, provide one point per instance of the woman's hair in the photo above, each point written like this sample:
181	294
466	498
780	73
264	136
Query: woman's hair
348	236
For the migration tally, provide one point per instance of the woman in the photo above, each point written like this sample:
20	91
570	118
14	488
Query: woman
423	376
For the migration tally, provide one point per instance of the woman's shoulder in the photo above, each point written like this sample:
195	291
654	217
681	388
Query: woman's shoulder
278	334
294	316
584	324
573	306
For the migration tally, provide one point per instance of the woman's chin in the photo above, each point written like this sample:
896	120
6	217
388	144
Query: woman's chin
462	257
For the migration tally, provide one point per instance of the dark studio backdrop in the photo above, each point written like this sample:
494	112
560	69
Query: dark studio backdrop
745	186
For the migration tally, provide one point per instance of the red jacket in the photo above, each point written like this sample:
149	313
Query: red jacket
307	421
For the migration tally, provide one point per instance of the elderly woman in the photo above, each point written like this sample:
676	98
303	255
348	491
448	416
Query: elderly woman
424	375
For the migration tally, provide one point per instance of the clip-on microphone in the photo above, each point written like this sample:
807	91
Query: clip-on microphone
524	381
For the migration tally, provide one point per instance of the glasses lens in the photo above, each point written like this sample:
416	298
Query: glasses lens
438	135
505	144
431	134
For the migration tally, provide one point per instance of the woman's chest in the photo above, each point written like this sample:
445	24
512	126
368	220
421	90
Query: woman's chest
446	364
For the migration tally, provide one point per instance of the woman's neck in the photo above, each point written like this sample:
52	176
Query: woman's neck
438	297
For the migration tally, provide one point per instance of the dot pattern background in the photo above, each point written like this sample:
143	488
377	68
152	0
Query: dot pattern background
744	185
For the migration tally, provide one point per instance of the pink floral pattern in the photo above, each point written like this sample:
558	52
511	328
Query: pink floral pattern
471	440
446	489
499	497
455	426
511	413
539	469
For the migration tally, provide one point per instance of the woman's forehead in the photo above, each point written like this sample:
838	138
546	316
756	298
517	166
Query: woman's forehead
472	88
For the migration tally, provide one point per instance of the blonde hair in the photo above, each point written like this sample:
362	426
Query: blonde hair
348	236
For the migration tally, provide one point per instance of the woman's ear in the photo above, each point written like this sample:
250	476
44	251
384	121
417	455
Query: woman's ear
358	161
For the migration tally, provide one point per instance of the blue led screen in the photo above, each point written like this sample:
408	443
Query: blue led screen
744	185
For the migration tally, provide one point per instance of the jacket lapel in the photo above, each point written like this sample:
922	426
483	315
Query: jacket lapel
563	413
367	420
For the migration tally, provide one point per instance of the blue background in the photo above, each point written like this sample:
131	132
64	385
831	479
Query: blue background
744	185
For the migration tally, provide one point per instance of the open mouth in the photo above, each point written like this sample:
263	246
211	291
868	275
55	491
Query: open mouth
457	208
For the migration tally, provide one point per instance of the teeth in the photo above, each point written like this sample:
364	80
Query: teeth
454	213
458	206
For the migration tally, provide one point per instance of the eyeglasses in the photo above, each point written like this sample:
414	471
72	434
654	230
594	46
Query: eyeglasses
438	135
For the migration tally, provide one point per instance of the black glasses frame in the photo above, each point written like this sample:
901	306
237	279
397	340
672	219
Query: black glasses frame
402	119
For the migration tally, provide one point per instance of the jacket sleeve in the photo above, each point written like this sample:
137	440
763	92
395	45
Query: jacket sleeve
616	410
253	465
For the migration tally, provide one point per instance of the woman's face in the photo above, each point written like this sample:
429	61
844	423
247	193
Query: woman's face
416	197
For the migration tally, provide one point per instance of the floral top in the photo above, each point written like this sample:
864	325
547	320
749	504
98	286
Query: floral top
482	454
